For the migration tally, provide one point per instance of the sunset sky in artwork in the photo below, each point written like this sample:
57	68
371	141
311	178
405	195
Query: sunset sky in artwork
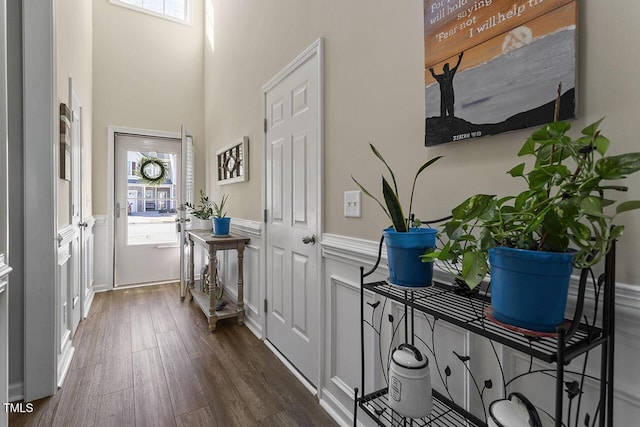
541	18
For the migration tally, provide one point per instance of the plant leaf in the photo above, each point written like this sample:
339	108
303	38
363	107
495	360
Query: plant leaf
602	144
378	155
617	167
423	167
592	128
628	206
517	170
474	268
591	206
395	209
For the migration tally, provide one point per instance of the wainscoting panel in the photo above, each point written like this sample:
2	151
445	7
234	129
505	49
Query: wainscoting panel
87	265
253	272
66	238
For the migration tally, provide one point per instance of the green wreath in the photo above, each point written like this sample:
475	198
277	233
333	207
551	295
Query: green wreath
146	174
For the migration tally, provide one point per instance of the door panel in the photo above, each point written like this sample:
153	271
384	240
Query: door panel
292	175
147	246
75	293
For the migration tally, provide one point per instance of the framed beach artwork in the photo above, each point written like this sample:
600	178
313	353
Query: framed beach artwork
493	66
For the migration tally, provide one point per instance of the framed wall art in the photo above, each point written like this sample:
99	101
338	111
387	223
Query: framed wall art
65	142
493	66
233	162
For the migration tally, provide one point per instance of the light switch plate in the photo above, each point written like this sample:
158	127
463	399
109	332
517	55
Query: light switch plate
352	204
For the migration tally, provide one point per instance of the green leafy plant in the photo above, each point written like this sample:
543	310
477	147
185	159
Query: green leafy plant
566	206
204	210
392	206
218	209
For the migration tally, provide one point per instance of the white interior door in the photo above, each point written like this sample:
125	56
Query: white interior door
147	248
293	126
74	291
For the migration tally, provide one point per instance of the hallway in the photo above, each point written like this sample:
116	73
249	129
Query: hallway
146	358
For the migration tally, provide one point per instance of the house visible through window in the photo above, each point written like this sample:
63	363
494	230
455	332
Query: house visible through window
175	10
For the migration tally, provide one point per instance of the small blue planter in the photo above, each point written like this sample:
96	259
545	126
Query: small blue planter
221	226
529	288
404	252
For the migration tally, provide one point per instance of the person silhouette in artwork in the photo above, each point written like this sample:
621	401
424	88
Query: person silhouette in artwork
445	80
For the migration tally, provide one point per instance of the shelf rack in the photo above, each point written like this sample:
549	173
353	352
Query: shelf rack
572	339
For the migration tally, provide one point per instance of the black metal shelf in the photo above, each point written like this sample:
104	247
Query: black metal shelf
445	413
467	312
470	312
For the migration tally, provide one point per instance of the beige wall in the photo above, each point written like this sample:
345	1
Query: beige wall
374	92
148	74
74	59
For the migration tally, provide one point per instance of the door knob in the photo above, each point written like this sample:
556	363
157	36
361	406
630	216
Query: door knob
83	224
309	239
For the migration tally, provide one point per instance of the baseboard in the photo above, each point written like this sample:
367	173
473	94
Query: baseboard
103	287
16	391
336	410
253	326
88	301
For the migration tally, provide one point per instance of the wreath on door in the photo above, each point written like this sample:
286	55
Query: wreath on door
152	171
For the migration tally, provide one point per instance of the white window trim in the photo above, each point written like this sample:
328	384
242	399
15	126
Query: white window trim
188	6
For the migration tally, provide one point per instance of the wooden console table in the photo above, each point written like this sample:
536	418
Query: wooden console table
206	302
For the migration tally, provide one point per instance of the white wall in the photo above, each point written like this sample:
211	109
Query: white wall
374	91
74	43
147	74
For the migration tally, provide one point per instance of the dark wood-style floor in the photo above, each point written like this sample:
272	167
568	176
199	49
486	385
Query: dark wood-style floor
146	358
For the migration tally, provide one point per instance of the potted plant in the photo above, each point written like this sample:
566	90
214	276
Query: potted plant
406	241
532	240
220	220
201	214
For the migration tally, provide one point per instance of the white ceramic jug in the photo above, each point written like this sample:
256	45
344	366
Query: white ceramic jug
410	382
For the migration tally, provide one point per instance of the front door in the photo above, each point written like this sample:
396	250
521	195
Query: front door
147	246
293	125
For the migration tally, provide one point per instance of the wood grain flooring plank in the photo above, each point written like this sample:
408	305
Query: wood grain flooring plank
101	302
151	395
184	388
79	400
116	409
240	380
228	406
90	350
143	335
250	385
202	417
300	404
117	362
161	316
119	307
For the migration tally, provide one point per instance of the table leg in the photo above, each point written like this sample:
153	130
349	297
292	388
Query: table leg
240	304
213	318
191	283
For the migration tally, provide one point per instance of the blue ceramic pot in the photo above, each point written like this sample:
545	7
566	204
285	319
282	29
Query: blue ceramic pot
529	288
221	226
404	256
